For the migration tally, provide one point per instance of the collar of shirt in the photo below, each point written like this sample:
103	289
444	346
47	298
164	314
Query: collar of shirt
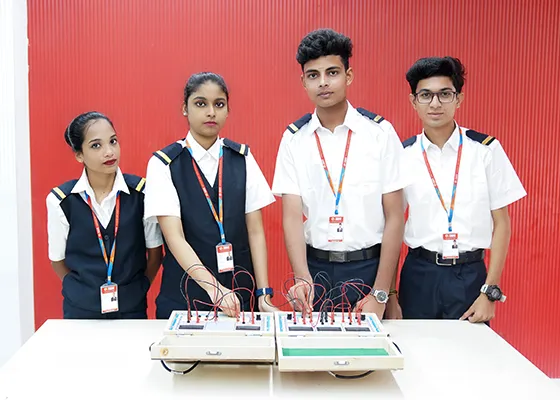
83	185
199	152
351	120
452	142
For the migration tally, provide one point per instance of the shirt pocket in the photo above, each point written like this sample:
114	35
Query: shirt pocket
480	192
362	183
420	189
363	170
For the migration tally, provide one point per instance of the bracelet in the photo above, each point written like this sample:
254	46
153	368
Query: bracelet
264	291
393	292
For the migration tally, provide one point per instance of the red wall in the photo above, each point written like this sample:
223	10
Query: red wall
130	59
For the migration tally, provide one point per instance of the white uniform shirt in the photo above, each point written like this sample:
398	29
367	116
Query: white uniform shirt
162	198
374	168
487	181
58	226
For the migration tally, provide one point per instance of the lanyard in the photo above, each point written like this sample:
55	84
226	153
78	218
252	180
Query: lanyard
219	219
455	179
338	193
108	261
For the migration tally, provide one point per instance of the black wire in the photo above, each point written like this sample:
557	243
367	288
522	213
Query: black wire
398	348
180	372
352	376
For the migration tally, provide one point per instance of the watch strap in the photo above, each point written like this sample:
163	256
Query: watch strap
264	292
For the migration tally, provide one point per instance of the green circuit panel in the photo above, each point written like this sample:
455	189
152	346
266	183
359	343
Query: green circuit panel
341	352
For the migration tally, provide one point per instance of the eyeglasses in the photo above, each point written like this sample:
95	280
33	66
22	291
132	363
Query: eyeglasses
444	97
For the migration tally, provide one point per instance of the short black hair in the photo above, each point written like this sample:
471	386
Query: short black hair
324	42
75	132
429	67
198	79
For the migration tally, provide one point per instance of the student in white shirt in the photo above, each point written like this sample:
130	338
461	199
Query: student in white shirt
212	240
99	245
461	185
359	236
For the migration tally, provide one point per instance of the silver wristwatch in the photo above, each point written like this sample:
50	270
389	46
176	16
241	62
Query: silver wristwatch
380	295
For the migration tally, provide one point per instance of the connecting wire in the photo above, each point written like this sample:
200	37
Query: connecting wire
242	270
323	316
219	294
184	282
359	376
251	303
331	297
235	287
361	295
398	348
289	298
180	372
214	307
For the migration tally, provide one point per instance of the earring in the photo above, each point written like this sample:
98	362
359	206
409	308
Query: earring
185	113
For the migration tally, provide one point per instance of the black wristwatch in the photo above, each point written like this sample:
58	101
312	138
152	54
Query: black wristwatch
493	292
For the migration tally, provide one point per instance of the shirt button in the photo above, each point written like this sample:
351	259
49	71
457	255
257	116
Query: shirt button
107	237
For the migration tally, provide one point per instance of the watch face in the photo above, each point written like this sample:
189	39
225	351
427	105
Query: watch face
381	296
495	293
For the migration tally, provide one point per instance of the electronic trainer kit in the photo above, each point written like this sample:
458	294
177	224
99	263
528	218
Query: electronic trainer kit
326	340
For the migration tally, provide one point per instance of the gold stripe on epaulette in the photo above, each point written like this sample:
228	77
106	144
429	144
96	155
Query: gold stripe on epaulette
294	128
487	140
60	193
377	118
164	156
242	149
140	184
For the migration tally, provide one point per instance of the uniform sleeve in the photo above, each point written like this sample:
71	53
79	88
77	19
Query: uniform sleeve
394	176
57	229
285	178
257	193
152	234
160	195
505	187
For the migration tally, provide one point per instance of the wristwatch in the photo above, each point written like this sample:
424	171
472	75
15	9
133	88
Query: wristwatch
264	291
380	295
493	292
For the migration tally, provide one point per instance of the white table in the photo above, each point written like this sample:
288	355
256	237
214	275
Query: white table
110	360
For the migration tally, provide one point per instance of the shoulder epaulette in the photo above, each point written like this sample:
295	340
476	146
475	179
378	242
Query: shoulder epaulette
410	141
64	190
135	182
480	137
238	148
368	114
169	153
295	126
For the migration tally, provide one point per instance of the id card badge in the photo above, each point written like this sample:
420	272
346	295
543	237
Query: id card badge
450	246
336	229
224	254
109	298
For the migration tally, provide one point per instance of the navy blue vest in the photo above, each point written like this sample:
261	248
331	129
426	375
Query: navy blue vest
84	258
200	228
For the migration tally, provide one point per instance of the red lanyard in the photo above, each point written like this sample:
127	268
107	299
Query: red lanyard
219	219
338	193
108	261
455	179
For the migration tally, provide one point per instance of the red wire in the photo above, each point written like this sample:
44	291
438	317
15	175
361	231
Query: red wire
251	302
197	267
251	292
358	308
